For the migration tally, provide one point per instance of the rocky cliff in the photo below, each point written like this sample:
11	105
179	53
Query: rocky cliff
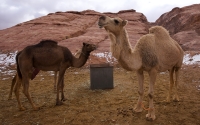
184	26
72	28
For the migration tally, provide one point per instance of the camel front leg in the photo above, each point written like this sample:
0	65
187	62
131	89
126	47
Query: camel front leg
62	91
25	83
151	110
60	86
140	76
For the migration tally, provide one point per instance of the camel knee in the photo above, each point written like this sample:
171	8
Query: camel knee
150	95
141	93
16	88
176	82
25	91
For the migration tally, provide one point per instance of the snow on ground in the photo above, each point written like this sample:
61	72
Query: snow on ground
7	60
190	60
107	55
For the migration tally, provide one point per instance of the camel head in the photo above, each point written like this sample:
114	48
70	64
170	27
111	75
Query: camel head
113	25
87	48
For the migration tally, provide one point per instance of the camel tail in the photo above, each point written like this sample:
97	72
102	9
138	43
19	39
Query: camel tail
18	70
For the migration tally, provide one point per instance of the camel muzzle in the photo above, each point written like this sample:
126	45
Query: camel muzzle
94	47
100	25
102	18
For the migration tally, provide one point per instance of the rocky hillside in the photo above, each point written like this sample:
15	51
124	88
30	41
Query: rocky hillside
184	25
72	28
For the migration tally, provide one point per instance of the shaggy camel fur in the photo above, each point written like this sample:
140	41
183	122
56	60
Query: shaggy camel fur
47	56
154	52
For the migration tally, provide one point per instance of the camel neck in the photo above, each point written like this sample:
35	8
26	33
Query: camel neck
79	62
86	54
123	52
120	44
124	41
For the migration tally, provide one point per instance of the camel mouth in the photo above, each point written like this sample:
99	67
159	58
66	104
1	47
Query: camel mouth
94	47
101	25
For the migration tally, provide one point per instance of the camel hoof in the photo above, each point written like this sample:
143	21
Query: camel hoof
22	108
36	108
64	99
55	90
138	109
9	98
59	103
168	99
176	98
150	117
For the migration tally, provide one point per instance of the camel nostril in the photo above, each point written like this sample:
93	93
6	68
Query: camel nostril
102	18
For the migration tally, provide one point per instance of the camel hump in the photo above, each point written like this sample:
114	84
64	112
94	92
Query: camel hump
160	33
47	43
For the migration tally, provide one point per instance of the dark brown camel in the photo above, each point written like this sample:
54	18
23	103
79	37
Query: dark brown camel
31	76
47	56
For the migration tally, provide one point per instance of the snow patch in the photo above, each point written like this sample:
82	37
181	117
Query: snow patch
107	55
8	59
190	60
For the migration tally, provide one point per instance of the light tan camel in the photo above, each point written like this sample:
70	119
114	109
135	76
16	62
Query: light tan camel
154	52
47	56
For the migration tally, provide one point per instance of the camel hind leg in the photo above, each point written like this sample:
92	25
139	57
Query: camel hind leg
172	83
25	83
16	91
12	86
171	74
151	109
177	72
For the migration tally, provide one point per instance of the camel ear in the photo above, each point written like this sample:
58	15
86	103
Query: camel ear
84	44
124	22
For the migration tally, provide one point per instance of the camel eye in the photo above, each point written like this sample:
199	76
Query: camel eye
116	21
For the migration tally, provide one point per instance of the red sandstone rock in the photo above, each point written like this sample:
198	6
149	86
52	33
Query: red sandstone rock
184	26
72	28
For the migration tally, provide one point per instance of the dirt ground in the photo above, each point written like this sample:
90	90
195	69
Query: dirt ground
102	107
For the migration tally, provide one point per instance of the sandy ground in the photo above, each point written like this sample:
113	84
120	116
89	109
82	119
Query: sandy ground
102	107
